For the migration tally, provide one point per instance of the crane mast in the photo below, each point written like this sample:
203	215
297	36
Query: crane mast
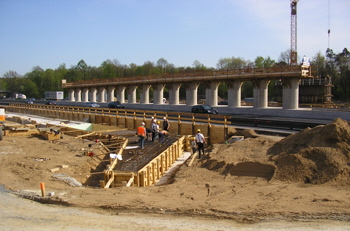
293	26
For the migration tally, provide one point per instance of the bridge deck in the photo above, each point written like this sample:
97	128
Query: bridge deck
222	75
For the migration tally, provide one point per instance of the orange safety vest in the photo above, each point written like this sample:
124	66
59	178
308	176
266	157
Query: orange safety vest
141	131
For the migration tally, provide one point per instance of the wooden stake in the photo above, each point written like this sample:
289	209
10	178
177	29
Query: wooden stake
42	187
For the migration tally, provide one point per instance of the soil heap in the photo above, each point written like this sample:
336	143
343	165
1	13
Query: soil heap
318	155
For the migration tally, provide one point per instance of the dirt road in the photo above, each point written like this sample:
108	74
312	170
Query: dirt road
22	214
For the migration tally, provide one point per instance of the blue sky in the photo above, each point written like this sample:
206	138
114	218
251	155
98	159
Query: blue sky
48	33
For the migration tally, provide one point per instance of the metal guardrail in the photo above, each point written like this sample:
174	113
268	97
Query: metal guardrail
129	113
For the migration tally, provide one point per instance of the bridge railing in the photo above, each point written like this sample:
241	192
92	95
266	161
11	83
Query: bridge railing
167	76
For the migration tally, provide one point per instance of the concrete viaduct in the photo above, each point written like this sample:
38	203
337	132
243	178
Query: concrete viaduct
105	90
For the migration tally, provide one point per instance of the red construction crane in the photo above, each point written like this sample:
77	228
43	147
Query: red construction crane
293	27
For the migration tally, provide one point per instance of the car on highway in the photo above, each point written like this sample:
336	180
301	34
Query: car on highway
223	102
50	102
115	104
91	104
28	102
205	109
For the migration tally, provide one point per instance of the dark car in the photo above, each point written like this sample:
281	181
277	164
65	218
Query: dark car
223	102
205	109
90	104
115	104
50	102
28	102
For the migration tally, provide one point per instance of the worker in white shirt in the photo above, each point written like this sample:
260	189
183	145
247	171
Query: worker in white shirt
200	143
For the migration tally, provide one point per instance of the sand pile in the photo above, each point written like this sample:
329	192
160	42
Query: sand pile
335	135
242	158
316	155
247	133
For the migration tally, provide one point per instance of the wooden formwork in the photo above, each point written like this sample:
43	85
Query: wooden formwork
50	135
150	173
181	123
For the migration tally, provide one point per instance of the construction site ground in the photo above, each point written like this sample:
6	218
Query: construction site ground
268	183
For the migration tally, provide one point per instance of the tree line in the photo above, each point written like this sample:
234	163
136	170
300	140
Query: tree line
38	80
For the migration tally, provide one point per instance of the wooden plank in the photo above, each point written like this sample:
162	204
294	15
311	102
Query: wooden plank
194	156
128	174
114	163
110	181
104	146
102	184
113	145
131	180
88	134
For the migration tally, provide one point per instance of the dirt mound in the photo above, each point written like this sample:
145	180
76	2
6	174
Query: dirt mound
314	165
242	158
247	133
335	134
318	155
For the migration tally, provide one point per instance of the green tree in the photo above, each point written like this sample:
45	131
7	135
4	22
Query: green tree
13	82
268	62
29	88
343	64
148	68
223	64
259	62
162	64
231	63
60	74
318	64
238	63
198	66
109	69
81	69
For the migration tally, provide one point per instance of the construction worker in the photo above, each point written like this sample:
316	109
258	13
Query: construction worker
166	124
155	129
193	145
148	134
200	143
162	135
141	133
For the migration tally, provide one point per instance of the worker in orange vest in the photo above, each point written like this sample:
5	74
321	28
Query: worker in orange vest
141	132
